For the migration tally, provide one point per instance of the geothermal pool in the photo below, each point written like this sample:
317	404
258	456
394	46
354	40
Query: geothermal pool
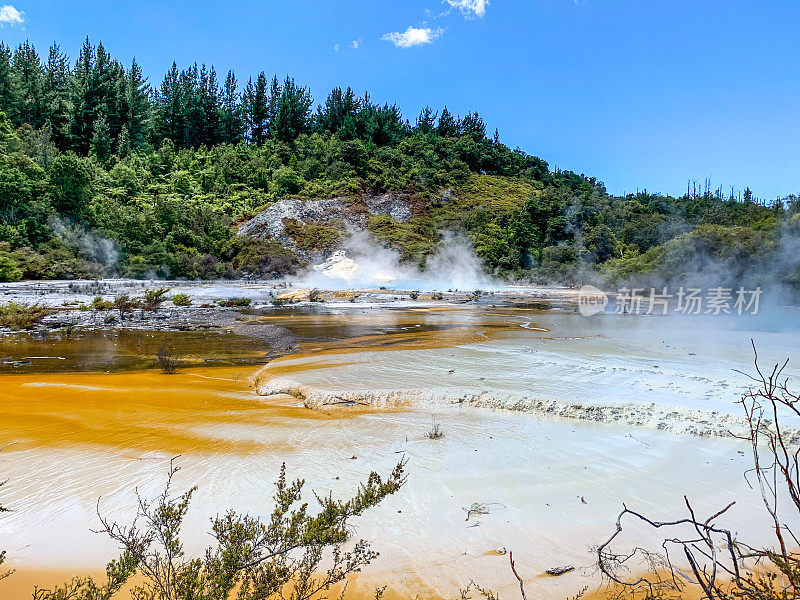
551	421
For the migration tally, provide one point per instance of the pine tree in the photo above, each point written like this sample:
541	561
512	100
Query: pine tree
9	87
340	107
473	126
28	73
137	122
56	91
448	125
293	115
101	139
426	121
108	89
383	124
257	110
170	107
273	102
209	108
231	121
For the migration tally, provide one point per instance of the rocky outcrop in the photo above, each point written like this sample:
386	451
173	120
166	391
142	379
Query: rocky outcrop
271	222
388	204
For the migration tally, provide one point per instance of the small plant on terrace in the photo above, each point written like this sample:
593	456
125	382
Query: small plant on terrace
99	304
125	304
235	303
435	432
181	300
17	316
154	298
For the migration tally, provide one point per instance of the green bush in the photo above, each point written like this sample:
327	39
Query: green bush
181	300
9	268
16	316
234	302
154	298
99	304
313	237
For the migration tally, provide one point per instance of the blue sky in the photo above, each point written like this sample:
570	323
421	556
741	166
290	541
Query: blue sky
640	94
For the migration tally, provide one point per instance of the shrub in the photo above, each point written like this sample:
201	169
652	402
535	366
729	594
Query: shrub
154	298
181	300
313	237
17	316
282	556
234	302
435	433
167	360
99	304
9	268
261	257
125	304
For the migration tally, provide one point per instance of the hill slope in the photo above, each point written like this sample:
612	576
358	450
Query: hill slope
102	175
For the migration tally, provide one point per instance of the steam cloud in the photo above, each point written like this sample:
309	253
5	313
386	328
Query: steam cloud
366	263
93	247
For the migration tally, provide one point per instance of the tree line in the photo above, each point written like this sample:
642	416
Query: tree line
98	105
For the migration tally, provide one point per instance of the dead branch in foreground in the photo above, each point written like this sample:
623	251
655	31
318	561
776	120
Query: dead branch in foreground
723	566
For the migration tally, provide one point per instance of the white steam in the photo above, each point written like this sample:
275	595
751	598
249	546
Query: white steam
92	247
365	263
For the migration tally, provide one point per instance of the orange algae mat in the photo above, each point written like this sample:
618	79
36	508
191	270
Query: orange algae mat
145	411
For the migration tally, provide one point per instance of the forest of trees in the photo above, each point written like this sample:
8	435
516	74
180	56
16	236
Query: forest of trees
102	173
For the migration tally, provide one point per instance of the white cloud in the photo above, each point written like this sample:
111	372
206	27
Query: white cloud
413	36
336	47
11	16
469	8
355	44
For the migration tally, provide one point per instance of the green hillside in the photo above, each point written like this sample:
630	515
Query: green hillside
102	174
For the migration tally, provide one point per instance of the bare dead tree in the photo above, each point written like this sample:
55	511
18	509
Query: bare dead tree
167	360
723	566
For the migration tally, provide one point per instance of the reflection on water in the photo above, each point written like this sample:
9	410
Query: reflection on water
123	350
